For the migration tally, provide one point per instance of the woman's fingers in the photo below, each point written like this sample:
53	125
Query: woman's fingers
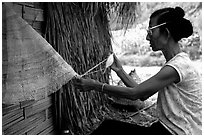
116	66
77	81
81	83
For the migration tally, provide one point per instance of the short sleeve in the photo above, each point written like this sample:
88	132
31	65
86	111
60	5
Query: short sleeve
181	64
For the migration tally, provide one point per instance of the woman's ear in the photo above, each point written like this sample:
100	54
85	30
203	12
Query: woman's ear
168	33
166	36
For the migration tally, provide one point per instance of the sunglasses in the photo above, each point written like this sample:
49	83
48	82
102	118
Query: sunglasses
149	30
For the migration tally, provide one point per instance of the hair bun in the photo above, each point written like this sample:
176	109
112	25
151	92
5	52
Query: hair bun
179	12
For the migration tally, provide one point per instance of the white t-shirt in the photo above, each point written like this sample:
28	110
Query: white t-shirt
180	105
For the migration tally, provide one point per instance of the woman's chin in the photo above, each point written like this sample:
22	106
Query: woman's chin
152	49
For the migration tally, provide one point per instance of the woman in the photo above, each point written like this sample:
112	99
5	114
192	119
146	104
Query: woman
178	83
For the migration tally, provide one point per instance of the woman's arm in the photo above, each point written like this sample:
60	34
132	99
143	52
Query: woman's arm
164	77
126	79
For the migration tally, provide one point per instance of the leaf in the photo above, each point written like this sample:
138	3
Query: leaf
109	61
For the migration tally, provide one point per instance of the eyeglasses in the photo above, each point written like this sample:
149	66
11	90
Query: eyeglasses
149	30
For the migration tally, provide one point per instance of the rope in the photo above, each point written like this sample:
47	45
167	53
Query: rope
95	71
86	73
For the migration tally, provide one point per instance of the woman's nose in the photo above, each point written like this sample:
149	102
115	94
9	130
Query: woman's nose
147	37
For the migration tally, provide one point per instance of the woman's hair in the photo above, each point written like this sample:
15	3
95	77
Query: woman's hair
178	26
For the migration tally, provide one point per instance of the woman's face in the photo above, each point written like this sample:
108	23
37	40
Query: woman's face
154	36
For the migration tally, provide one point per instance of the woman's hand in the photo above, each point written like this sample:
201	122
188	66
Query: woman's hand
84	84
116	66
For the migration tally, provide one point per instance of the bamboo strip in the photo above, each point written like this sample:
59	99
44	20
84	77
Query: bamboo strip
12	116
9	108
27	103
30	125
24	123
33	14
42	127
47	130
33	110
5	127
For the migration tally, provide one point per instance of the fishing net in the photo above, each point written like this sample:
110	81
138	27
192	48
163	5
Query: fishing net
31	68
